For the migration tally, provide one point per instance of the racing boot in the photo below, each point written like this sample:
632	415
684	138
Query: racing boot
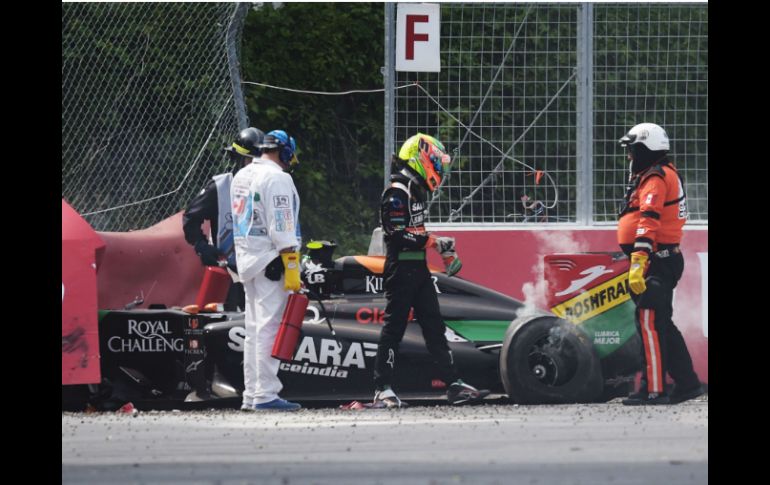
386	398
462	393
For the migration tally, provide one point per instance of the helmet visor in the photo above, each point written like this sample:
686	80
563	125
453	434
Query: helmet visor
629	139
434	161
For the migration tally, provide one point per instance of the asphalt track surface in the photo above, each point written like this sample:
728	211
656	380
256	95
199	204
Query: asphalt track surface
506	444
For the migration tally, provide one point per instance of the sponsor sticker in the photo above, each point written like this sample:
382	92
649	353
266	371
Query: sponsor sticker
281	201
595	301
368	315
146	336
325	357
589	275
284	220
373	284
607	337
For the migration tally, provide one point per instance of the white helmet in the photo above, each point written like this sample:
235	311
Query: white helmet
649	134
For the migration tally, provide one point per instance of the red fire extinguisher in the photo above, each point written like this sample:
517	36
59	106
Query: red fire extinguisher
290	328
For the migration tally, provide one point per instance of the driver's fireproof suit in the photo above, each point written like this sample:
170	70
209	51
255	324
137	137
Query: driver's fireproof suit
407	280
265	207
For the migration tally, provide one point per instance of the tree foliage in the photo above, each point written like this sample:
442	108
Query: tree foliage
330	47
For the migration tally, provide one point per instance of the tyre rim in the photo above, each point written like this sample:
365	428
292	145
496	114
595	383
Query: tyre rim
553	360
544	368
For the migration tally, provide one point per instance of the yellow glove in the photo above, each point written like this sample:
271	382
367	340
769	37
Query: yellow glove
291	280
636	272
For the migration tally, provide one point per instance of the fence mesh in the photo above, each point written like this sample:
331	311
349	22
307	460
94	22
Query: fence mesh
506	105
147	106
651	65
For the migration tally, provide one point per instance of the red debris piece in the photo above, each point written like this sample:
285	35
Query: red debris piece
128	408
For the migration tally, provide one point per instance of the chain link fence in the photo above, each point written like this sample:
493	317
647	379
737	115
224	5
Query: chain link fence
651	64
532	98
150	96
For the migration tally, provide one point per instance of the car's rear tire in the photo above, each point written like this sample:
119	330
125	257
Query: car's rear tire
545	359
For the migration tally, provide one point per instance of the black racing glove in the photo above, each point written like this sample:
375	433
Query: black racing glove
275	269
209	254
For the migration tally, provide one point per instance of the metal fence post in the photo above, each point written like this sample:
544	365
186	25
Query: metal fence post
233	39
388	73
584	111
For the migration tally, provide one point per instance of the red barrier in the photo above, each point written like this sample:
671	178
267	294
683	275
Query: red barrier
81	250
156	263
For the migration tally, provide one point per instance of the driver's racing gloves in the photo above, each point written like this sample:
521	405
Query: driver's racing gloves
451	262
442	244
209	254
446	248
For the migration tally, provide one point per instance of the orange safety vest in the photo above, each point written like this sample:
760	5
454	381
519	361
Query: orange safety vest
655	210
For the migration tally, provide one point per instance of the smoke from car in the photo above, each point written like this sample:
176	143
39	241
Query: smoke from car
549	242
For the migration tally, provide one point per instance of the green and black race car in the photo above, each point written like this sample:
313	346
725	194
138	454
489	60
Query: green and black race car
530	356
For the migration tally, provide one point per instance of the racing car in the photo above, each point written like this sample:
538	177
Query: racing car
155	355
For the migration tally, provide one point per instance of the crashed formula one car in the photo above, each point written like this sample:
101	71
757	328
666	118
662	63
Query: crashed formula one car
163	354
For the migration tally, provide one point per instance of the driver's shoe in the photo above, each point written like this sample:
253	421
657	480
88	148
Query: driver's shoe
386	398
462	393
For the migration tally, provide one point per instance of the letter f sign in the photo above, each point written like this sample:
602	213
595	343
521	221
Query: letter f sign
418	37
411	37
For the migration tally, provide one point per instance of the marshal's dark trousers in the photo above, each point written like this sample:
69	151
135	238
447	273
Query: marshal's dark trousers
663	348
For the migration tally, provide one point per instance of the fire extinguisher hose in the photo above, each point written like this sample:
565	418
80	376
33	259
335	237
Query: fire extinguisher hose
315	296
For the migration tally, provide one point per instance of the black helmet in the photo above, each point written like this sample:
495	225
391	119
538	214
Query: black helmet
247	143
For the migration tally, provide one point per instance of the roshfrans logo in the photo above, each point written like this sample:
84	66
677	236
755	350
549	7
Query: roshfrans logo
148	336
590	274
595	301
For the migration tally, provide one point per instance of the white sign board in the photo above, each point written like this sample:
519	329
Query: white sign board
418	37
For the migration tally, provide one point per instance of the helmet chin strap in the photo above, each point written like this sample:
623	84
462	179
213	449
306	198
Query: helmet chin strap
638	167
413	178
239	164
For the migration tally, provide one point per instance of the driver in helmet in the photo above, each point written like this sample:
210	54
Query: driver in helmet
213	204
649	232
407	280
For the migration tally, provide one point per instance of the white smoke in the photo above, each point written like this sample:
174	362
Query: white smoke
549	242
